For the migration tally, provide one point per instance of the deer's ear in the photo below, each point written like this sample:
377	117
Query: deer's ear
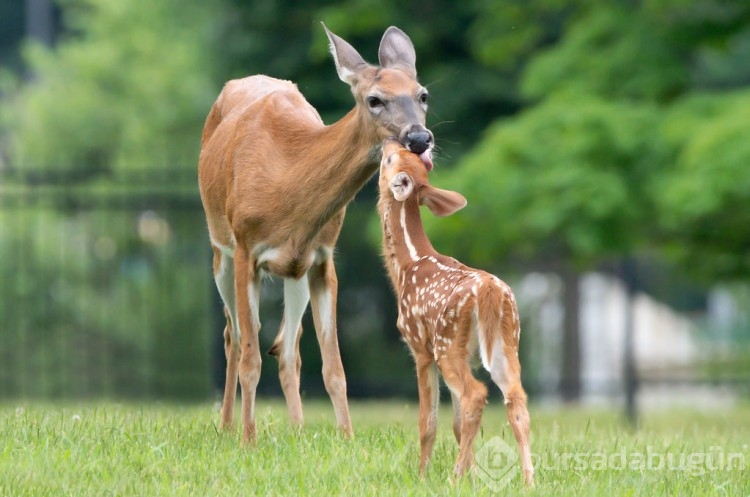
397	51
442	202
348	61
401	186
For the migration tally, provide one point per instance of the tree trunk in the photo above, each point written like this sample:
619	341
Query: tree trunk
40	25
570	385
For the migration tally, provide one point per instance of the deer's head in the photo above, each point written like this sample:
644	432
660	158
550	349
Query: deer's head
390	93
403	175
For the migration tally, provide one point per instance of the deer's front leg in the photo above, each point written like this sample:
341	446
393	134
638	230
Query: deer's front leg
323	294
429	397
247	288
224	277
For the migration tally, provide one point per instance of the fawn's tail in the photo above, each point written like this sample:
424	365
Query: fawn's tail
499	329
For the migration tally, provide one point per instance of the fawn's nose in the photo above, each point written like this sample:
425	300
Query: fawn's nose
417	139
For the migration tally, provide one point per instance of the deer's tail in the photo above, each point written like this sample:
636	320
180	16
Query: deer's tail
499	329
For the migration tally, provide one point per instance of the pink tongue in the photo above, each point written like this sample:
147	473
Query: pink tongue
426	157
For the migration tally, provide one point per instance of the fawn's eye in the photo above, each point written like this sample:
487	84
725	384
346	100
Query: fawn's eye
423	97
374	102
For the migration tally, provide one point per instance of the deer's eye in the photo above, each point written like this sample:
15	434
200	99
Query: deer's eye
423	97
374	102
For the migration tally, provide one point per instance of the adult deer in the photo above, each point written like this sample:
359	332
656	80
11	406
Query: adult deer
447	311
275	181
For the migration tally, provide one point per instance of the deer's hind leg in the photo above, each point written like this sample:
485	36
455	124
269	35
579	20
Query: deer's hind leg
323	294
286	345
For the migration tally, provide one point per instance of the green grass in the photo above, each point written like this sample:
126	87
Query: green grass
149	450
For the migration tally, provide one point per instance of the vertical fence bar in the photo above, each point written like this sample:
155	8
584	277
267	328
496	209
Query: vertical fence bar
628	274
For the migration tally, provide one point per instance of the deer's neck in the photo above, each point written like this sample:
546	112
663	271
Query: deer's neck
404	238
328	165
339	159
347	154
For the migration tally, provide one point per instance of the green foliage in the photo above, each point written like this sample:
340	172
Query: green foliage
505	35
127	87
612	52
621	150
563	176
701	194
724	65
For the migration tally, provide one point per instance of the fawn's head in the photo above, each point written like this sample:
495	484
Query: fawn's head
390	93
402	175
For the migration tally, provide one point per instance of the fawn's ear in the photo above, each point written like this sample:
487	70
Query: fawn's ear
442	202
396	50
348	61
401	186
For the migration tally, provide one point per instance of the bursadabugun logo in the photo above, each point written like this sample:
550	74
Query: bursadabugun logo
496	464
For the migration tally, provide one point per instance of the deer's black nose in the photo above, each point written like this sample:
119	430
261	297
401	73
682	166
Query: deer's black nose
418	141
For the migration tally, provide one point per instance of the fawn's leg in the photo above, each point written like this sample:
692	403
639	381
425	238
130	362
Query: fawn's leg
429	398
473	396
456	416
505	370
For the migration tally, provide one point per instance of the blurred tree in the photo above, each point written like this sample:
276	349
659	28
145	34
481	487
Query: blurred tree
124	91
585	174
556	183
610	52
702	197
125	88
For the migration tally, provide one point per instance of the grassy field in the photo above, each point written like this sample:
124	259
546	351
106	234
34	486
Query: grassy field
149	450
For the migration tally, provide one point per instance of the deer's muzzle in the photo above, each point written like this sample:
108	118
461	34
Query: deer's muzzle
416	139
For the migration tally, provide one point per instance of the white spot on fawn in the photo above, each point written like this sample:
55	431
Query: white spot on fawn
407	238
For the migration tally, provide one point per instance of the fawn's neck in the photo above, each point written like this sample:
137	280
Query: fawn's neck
404	238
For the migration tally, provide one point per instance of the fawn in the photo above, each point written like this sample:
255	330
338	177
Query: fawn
446	312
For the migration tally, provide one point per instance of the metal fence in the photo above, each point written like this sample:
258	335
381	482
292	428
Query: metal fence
104	290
